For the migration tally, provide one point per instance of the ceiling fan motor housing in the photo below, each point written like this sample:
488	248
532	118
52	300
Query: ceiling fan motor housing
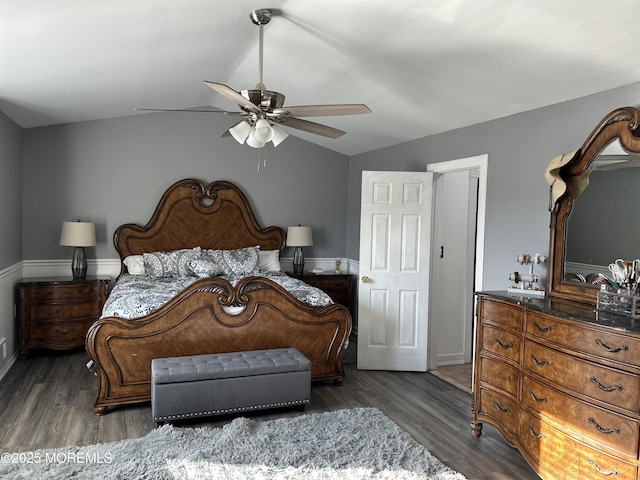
267	100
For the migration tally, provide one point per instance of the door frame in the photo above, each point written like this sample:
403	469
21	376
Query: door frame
479	163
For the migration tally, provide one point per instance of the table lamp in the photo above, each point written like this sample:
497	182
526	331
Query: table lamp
79	235
299	237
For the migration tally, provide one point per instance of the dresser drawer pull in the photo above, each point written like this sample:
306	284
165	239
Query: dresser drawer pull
603	430
503	410
536	435
609	349
504	345
542	330
64	331
538	362
538	399
606	473
606	389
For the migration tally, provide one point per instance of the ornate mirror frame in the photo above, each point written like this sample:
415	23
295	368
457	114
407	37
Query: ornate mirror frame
619	124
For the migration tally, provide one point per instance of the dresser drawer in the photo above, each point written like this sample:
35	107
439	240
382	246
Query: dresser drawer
64	292
60	333
502	409
502	314
607	428
596	381
610	345
565	458
501	343
500	375
64	311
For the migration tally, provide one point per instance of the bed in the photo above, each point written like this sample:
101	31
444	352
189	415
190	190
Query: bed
210	315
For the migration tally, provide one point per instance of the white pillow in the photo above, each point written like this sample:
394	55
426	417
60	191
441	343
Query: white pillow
135	264
270	261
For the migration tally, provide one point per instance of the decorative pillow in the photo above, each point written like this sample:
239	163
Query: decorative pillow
134	264
205	267
269	260
242	261
170	264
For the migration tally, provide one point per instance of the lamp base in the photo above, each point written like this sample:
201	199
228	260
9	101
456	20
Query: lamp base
79	264
298	261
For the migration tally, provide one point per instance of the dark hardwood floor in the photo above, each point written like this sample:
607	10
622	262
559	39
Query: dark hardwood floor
47	401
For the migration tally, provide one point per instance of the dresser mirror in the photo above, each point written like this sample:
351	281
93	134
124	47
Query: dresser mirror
600	224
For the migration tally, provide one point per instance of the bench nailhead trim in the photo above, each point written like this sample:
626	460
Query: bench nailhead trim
230	410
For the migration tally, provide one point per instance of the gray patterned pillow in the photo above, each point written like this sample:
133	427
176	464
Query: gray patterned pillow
205	267
242	261
170	264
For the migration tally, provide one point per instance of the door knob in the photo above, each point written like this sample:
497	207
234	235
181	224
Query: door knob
365	279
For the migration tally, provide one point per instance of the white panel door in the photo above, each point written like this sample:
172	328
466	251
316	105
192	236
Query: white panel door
395	233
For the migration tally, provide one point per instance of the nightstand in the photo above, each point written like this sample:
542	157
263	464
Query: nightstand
57	312
339	287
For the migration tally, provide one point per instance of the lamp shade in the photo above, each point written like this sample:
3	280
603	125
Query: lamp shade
263	131
240	131
78	234
253	142
278	135
299	237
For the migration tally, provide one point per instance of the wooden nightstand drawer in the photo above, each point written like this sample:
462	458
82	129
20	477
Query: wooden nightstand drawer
60	332
63	311
56	313
63	292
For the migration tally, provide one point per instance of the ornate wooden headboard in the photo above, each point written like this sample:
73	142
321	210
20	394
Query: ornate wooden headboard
191	215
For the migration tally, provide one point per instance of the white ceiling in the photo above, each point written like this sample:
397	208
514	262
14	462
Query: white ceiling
422	66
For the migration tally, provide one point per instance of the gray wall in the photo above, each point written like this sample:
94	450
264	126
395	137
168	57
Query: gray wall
10	192
114	171
519	148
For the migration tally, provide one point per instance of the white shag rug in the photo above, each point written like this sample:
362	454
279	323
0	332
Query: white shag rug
359	443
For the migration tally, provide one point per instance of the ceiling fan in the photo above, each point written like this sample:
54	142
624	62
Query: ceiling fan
264	111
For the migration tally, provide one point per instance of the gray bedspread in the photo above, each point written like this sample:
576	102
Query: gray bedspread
134	296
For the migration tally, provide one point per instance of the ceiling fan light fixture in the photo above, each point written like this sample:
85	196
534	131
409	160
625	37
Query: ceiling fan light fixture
253	142
263	132
278	135
240	131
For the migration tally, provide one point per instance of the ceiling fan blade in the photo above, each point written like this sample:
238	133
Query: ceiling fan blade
234	96
312	127
187	110
323	110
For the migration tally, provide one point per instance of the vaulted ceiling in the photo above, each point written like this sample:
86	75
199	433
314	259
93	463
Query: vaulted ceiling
422	66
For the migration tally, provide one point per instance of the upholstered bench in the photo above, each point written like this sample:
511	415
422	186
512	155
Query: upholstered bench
204	385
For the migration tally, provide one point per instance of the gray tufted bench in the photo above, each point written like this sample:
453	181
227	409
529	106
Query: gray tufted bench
203	385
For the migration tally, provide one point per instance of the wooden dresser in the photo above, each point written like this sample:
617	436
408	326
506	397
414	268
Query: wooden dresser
57	312
560	382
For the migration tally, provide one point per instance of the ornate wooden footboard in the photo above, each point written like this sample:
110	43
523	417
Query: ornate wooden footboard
195	322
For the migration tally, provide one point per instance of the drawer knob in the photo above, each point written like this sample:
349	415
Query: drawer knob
606	431
541	329
609	349
538	399
606	473
535	434
538	362
605	388
504	346
503	410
